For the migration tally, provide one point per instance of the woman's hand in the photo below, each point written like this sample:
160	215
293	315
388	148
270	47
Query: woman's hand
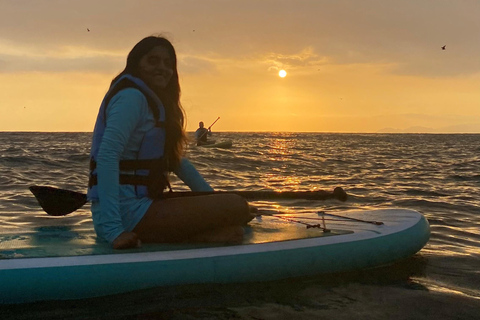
126	240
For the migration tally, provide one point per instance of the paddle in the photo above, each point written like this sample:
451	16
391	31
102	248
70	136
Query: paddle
208	129
60	202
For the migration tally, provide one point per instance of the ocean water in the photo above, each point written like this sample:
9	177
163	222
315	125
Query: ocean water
436	174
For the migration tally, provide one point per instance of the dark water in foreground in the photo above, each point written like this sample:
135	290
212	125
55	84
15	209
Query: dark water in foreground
438	175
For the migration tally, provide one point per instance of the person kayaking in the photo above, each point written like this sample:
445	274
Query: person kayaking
138	139
202	133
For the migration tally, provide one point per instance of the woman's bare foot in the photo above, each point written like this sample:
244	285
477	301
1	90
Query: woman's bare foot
231	234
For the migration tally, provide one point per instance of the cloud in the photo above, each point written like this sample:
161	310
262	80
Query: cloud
305	58
407	34
50	64
196	64
18	57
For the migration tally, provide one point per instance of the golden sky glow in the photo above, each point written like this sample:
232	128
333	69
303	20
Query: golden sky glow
353	66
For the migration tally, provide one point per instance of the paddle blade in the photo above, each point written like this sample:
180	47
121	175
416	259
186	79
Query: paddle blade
58	202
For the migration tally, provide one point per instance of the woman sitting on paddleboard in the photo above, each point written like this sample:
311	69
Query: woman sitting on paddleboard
139	137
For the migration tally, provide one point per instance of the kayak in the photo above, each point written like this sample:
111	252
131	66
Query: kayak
223	144
68	262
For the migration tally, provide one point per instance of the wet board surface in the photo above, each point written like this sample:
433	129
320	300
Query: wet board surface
63	241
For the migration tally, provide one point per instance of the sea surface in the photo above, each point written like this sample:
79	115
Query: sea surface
435	174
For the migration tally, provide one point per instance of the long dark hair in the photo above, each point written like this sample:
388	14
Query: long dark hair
175	116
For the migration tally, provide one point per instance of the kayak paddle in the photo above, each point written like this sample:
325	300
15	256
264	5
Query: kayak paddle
60	202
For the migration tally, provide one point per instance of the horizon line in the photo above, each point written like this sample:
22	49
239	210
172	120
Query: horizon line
323	132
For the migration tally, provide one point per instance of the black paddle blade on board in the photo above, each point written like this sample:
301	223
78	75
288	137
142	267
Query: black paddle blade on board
58	202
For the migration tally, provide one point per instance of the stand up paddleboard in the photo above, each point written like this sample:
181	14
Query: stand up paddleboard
57	263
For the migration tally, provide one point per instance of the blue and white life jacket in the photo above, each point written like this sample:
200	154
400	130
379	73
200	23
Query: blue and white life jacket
148	172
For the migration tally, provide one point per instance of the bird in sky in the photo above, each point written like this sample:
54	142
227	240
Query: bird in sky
88	30
443	48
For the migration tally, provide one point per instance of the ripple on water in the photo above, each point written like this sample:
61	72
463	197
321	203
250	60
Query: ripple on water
437	175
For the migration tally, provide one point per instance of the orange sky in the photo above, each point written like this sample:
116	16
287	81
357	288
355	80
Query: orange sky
353	66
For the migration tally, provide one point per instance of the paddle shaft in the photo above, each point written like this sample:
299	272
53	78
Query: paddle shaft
59	202
213	123
264	195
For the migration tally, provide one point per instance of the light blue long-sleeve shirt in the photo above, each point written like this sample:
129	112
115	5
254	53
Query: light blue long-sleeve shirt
118	208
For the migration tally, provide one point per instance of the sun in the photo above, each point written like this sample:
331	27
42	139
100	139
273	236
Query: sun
282	73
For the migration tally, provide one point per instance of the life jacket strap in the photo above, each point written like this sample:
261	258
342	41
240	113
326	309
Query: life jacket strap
156	181
126	165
